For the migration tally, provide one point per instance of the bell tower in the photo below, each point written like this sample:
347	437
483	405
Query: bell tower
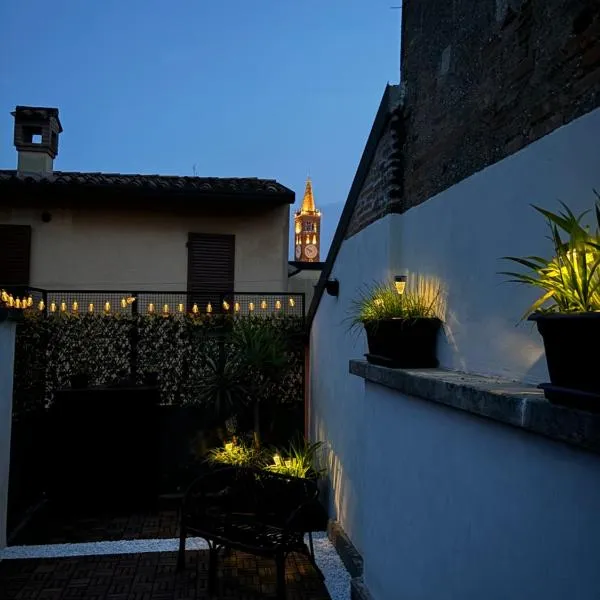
307	228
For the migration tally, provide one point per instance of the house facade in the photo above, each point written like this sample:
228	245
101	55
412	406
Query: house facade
459	482
101	231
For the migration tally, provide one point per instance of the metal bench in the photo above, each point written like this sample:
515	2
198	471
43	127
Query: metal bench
251	510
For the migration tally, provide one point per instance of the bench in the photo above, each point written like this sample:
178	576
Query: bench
251	510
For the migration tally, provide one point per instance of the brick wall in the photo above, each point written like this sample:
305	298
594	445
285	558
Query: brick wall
484	79
382	185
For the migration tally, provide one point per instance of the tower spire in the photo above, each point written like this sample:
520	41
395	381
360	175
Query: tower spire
308	203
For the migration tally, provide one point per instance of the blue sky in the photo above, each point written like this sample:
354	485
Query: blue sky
268	88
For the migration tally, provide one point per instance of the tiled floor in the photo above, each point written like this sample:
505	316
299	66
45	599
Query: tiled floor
51	526
152	576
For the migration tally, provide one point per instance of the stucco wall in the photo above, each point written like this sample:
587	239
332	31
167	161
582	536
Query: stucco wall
7	352
304	283
458	237
336	402
89	249
461	508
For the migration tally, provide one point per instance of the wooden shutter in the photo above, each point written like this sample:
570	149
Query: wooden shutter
15	256
211	266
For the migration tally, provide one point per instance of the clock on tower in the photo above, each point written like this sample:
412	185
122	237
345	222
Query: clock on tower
307	228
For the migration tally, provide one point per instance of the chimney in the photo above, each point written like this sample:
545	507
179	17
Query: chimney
36	138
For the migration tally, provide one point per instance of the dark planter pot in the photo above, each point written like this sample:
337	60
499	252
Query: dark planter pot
571	345
403	343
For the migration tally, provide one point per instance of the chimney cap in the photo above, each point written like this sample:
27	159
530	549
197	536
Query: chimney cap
37	114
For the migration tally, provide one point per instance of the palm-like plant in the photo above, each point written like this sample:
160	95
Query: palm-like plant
262	350
299	460
570	280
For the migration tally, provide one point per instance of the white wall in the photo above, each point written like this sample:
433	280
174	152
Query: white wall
7	353
101	249
457	239
458	236
461	508
336	398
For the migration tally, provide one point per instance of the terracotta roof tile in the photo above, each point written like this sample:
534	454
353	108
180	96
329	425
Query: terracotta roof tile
192	185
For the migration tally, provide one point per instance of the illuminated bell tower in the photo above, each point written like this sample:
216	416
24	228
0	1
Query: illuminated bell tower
307	228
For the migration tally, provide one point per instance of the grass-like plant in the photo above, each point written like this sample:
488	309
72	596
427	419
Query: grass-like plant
382	301
236	454
298	460
570	280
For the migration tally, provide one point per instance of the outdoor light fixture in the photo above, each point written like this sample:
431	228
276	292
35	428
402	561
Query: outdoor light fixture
107	307
277	305
75	306
225	305
181	309
400	283
30	301
332	287
123	302
63	307
150	308
53	307
18	302
251	306
236	307
41	305
209	308
292	302
91	307
195	309
263	305
166	309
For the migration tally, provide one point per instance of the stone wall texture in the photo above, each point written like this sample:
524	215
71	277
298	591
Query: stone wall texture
382	187
482	79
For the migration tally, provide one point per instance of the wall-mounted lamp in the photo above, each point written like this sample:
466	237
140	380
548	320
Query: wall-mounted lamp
400	283
332	287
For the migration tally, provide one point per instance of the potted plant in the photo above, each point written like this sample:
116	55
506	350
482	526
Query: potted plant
401	326
567	313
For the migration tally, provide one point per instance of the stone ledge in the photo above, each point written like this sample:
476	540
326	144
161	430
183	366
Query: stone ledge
494	398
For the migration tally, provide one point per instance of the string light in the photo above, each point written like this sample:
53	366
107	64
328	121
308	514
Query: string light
236	307
53	307
123	302
75	307
91	308
225	305
195	309
4	296
263	305
29	301
166	309
292	302
209	308
63	307
181	308
107	307
41	305
151	308
277	304
251	306
130	300
18	302
11	300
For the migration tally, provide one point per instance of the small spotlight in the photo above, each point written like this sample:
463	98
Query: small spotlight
400	283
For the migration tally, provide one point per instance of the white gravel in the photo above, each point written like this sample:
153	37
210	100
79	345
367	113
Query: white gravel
337	579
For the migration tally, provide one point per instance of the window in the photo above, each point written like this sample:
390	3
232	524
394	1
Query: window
15	256
211	267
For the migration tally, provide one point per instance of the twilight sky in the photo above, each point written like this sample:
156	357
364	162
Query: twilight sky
264	88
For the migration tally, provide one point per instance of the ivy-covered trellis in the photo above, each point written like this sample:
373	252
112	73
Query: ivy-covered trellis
116	347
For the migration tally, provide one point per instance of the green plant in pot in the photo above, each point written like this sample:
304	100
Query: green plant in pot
401	325
567	313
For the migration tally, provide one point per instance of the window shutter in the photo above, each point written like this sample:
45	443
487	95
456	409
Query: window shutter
15	256
211	266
